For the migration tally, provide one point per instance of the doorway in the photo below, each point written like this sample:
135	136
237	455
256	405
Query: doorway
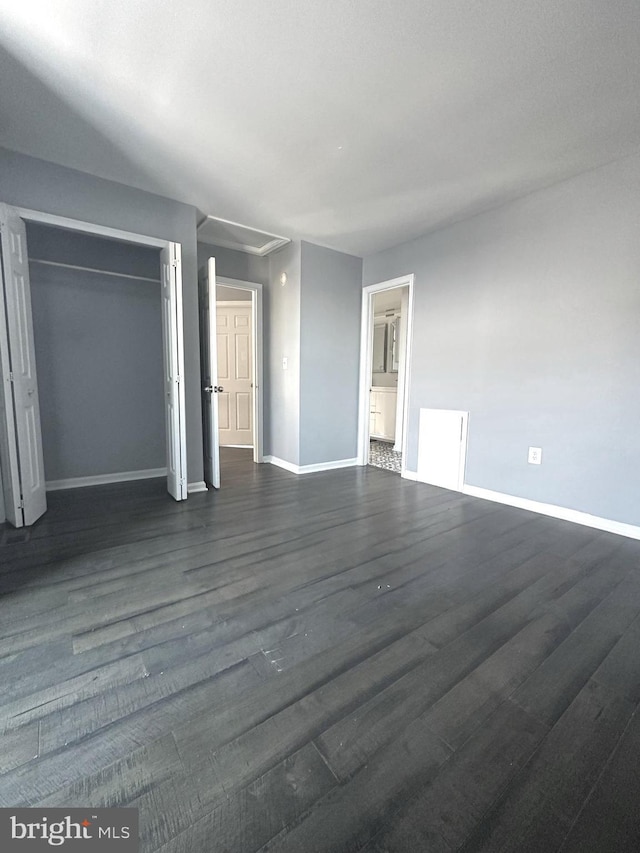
232	370
234	328
386	332
21	448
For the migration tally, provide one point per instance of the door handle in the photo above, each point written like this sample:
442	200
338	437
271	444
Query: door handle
216	389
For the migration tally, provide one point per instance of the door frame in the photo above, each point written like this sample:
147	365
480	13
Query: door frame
258	360
366	361
143	240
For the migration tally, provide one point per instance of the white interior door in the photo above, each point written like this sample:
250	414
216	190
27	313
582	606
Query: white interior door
442	448
21	446
170	261
210	387
235	373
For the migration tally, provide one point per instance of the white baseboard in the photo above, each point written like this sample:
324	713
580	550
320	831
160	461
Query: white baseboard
199	486
104	479
560	512
328	466
410	475
311	469
241	446
282	463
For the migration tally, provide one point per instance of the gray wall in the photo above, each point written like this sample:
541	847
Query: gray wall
528	317
73	247
98	343
232	264
31	183
282	338
330	306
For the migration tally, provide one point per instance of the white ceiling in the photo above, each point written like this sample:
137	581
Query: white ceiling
356	124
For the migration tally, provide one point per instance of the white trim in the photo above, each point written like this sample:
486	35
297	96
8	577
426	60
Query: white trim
282	463
314	468
560	512
366	355
258	357
239	446
89	227
328	466
269	247
402	366
410	475
103	479
199	486
232	303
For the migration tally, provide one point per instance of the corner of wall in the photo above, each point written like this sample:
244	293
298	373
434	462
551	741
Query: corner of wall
282	354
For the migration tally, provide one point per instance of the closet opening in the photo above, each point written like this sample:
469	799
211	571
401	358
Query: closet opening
99	318
97	323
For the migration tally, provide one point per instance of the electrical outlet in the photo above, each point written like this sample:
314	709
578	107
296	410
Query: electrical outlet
535	455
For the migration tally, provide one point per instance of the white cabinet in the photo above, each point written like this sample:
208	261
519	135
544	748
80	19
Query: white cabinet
382	417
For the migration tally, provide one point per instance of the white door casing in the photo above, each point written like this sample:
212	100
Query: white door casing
235	374
22	458
209	358
442	448
366	363
257	368
402	366
172	332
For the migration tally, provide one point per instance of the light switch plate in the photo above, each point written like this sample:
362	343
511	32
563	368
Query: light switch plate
535	455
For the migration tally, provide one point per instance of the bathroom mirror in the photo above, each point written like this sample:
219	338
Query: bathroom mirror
379	363
393	340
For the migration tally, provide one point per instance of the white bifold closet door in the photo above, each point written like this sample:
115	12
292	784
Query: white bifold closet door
210	387
21	445
170	262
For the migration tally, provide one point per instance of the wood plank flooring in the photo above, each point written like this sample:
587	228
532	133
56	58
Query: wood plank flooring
344	661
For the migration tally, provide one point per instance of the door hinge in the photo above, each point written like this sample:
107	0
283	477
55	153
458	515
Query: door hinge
178	379
11	379
20	504
174	262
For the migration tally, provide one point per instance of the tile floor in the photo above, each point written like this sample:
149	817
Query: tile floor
382	455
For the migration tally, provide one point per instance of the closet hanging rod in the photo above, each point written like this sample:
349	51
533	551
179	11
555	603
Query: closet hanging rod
91	269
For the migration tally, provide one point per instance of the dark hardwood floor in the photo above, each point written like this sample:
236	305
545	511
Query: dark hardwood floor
340	661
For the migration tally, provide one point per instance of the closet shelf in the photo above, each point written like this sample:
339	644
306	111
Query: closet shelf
91	269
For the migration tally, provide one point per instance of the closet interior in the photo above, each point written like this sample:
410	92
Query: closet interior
97	318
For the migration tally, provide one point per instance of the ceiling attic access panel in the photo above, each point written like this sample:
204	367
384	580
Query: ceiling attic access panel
242	238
